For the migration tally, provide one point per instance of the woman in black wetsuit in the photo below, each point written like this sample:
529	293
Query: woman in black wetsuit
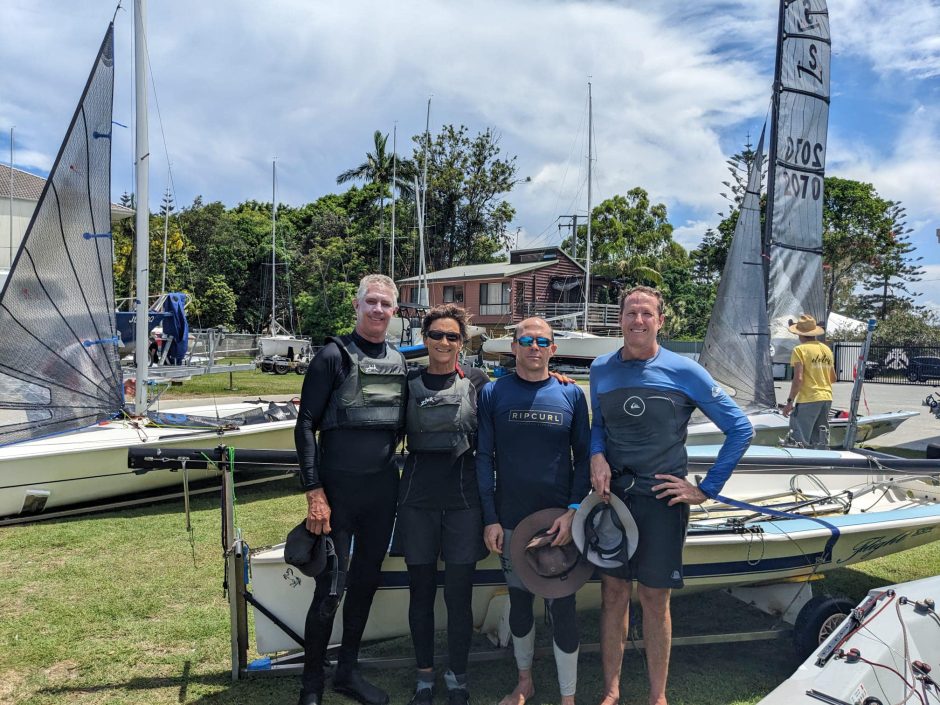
439	513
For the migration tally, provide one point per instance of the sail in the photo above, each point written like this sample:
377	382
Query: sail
59	368
736	351
797	169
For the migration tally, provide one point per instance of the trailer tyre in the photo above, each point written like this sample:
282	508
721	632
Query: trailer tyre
281	367
818	619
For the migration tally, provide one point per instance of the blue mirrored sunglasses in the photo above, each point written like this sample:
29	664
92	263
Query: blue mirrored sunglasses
527	340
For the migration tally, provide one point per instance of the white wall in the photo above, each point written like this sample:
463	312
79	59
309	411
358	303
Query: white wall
22	212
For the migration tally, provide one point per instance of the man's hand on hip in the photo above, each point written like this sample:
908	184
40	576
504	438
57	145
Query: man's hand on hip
600	476
318	512
679	489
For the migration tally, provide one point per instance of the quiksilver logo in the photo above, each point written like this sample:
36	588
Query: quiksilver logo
552	418
634	406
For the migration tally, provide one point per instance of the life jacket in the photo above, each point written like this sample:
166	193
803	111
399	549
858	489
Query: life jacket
372	395
441	421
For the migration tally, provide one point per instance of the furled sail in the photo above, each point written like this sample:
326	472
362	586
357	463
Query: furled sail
59	368
797	168
737	346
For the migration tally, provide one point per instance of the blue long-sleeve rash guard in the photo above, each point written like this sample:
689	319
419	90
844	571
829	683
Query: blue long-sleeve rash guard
641	411
533	442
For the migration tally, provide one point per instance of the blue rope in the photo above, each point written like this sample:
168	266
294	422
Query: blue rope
90	236
833	529
104	341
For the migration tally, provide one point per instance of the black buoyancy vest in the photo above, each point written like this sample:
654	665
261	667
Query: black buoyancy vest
372	395
441	421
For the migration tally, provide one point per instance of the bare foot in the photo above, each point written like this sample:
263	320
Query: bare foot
610	699
567	700
523	692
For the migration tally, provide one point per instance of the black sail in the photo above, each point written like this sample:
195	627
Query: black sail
59	366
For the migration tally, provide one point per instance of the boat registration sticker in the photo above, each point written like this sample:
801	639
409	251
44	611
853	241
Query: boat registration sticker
859	695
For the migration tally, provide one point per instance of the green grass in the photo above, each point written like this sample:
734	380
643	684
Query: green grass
119	608
252	384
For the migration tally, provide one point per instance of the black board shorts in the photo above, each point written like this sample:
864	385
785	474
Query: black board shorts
424	535
657	562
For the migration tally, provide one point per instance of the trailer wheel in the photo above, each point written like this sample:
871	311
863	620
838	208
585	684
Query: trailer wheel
818	619
301	368
281	367
267	365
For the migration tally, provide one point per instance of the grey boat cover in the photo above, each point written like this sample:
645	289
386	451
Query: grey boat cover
795	186
59	367
736	351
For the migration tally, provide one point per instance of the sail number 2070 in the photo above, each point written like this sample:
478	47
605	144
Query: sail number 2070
802	185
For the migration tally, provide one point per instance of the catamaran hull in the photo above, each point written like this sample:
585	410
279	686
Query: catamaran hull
91	464
713	560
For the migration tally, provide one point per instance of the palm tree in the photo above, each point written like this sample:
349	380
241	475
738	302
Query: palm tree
377	169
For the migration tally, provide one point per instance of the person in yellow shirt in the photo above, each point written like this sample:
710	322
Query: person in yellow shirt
811	389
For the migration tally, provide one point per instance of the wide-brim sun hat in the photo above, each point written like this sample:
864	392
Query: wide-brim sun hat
806	326
547	571
605	532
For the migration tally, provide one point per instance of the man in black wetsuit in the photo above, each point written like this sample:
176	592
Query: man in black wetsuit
353	394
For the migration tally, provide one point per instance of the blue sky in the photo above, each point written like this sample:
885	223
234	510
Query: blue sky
678	85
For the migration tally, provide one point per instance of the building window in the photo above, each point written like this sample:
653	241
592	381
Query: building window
412	295
494	299
453	294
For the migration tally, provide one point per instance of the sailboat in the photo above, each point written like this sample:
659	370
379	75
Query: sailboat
64	426
574	347
279	342
771	279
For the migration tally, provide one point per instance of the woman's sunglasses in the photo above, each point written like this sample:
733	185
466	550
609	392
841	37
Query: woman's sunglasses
527	340
440	335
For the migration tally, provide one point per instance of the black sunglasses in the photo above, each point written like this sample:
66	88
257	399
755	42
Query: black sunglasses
527	340
440	335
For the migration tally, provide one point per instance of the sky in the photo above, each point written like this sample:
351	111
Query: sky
678	86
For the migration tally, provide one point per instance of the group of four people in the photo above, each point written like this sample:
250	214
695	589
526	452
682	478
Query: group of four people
481	457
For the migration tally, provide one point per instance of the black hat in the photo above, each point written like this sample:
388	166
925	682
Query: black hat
306	551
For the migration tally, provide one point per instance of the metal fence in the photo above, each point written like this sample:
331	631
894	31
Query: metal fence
897	363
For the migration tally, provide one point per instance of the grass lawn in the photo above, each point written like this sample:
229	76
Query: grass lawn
120	608
252	384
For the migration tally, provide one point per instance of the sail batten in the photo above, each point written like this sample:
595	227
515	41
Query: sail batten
59	295
796	171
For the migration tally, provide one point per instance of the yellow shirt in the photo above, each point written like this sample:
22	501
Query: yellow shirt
816	359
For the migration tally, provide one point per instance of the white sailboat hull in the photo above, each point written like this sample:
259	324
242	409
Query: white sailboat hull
891	637
572	346
91	464
281	345
713	558
771	428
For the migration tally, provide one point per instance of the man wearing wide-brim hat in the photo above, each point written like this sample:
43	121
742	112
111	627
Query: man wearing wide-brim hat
810	397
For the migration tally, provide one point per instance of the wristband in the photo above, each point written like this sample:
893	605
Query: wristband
574	505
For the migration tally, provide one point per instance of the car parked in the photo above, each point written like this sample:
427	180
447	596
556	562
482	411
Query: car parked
922	368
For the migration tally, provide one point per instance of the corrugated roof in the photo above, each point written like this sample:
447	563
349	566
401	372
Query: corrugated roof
25	185
480	271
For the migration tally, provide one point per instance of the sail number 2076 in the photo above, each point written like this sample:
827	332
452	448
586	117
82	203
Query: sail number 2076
802	185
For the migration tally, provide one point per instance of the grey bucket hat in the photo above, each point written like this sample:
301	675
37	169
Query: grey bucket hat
605	533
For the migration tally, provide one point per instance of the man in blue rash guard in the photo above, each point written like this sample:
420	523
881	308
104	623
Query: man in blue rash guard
533	442
642	397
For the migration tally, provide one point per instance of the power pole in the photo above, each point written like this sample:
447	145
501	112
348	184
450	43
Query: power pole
573	225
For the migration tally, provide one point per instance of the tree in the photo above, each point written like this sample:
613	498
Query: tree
908	328
328	310
216	305
631	239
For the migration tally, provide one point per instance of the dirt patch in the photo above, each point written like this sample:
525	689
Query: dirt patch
10	685
61	671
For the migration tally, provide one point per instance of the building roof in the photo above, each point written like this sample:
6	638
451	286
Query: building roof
28	187
497	270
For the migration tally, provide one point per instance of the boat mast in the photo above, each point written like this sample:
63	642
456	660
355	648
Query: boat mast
10	260
391	253
772	150
142	215
166	229
587	262
273	240
423	297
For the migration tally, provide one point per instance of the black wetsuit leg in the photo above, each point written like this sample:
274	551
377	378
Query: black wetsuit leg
458	590
364	511
521	618
565	623
422	585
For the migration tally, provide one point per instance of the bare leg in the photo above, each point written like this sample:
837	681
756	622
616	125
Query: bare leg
615	619
525	689
657	637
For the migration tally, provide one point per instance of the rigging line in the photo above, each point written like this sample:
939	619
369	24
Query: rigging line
45	383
